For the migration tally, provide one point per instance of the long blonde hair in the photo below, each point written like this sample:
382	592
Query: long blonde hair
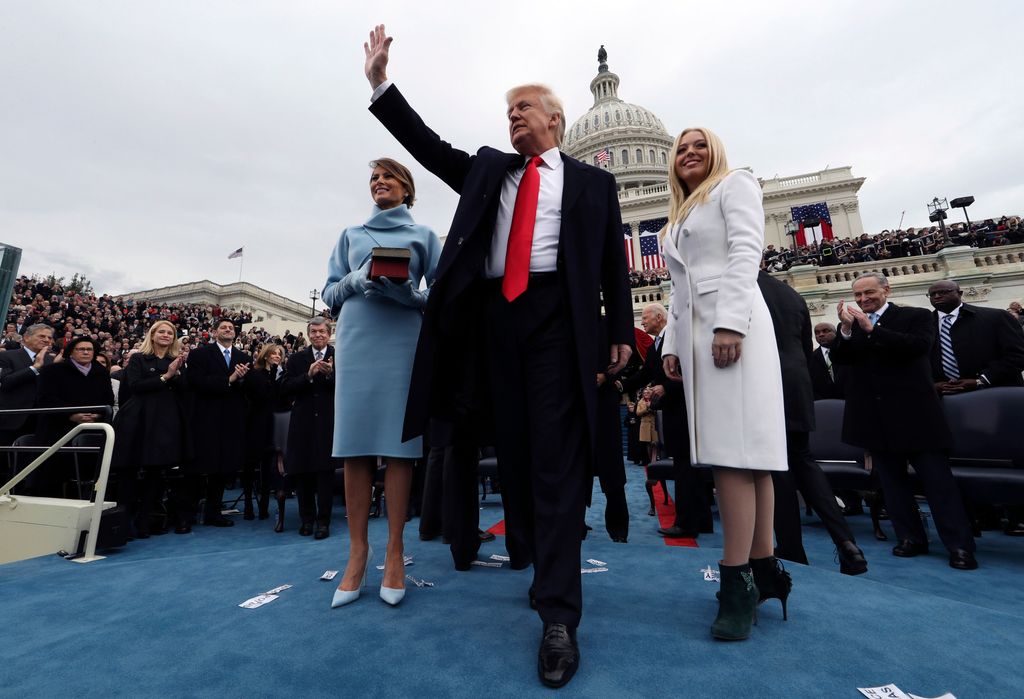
147	345
681	201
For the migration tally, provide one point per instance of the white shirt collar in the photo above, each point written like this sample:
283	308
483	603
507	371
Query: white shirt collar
552	158
31	354
881	311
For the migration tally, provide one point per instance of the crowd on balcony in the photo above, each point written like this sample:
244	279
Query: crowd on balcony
119	324
895	244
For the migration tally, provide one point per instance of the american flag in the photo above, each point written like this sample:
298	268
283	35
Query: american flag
603	157
812	211
650	252
236	253
627	233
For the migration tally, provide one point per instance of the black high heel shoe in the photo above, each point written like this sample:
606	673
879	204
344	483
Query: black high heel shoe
773	581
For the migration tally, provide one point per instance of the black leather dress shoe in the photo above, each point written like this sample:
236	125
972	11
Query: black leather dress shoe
962	560
322	532
428	536
851	559
306	529
559	655
220	521
908	549
485	536
676	532
1014	528
183	528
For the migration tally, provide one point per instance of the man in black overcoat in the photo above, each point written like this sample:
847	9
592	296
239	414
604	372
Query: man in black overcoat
986	348
827	379
309	381
539	342
19	378
216	373
693	507
792	324
893	411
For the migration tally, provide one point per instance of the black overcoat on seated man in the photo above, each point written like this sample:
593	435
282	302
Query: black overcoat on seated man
987	342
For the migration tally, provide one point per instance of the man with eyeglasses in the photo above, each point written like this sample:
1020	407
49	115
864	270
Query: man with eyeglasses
893	411
976	348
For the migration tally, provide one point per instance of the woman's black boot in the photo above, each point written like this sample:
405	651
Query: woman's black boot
772	581
737	603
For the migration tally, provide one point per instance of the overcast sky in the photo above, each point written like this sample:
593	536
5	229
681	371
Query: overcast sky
141	142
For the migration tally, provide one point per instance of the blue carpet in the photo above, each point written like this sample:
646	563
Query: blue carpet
160	618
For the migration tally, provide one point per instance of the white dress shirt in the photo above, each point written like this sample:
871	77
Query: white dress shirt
955	313
548	225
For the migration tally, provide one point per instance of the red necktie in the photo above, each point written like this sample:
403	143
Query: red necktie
520	236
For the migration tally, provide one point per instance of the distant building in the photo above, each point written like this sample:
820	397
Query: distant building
266	307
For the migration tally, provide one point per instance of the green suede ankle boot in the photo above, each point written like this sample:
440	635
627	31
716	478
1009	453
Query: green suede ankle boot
737	603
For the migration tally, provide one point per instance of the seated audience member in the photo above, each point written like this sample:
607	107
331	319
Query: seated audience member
828	380
76	381
152	429
19	376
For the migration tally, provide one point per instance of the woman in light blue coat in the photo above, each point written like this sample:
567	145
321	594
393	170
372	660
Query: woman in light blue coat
378	325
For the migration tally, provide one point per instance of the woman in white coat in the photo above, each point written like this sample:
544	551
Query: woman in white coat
720	342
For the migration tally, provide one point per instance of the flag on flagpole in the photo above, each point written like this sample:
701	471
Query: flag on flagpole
627	236
603	157
236	253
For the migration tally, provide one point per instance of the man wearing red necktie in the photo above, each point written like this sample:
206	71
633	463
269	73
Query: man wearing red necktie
535	242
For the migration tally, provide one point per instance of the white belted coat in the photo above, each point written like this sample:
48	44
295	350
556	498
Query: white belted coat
736	415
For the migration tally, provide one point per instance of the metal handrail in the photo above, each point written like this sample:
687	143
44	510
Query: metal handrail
100	487
104	409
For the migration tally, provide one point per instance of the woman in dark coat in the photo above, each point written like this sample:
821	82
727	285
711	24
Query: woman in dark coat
77	380
151	427
265	398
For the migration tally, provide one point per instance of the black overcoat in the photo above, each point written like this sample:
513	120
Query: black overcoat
62	384
985	341
152	426
219	410
18	386
265	390
792	323
591	262
891	402
311	430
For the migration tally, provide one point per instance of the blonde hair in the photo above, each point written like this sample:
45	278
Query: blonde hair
261	358
147	344
548	98
682	201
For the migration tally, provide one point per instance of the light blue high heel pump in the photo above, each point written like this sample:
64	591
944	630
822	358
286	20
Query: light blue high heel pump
343	597
392	595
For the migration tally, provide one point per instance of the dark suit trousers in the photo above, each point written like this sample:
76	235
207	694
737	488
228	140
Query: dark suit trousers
450	500
315	493
947	506
803	474
541	441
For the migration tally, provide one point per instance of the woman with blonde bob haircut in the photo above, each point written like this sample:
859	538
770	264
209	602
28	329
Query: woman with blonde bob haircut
151	429
720	342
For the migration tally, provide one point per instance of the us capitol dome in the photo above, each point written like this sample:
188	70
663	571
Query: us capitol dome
633	144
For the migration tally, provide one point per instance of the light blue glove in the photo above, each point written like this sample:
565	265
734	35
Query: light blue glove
404	294
356	282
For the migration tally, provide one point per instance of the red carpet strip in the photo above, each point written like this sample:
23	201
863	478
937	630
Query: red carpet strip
667	516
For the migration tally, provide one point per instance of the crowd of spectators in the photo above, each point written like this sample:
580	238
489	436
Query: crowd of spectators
889	245
648	277
119	324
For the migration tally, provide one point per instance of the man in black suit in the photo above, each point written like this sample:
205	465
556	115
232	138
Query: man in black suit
19	379
792	324
828	380
893	410
976	348
693	508
216	373
535	241
310	382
